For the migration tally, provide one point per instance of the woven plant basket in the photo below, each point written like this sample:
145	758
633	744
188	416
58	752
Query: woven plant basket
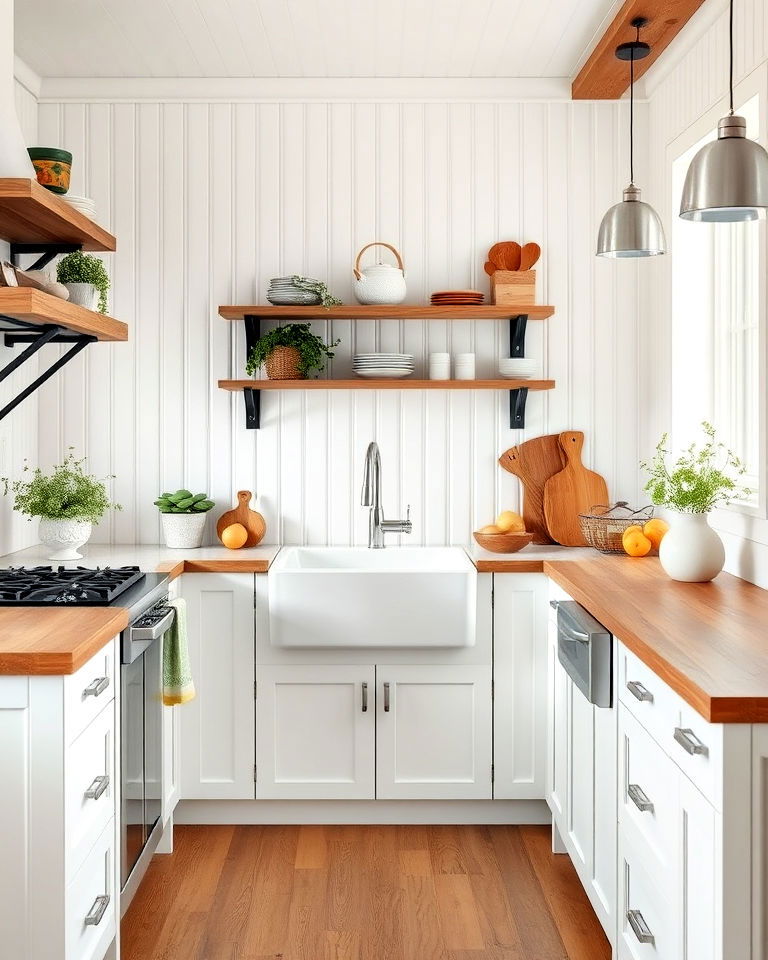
283	364
603	527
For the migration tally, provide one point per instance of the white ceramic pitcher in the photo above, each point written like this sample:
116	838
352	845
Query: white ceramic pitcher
381	283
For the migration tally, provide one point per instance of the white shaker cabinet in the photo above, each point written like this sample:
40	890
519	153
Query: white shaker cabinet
217	727
433	732
315	732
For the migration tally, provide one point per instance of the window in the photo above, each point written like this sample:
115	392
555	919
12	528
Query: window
718	310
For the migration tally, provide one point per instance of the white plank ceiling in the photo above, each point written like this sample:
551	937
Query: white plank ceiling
307	38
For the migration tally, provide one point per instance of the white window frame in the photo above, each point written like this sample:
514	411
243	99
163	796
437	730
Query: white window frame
748	521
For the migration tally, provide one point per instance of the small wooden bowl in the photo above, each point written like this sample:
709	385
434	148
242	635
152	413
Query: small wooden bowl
503	542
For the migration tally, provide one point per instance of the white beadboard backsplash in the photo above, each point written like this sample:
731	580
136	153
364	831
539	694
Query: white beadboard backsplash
210	200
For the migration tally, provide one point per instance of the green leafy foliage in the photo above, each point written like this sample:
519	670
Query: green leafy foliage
184	501
312	351
699	480
67	493
81	267
318	287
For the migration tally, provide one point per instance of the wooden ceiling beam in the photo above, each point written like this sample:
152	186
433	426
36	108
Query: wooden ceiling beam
603	77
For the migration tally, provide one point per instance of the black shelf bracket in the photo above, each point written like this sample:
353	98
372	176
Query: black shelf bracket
519	397
47	252
252	397
36	337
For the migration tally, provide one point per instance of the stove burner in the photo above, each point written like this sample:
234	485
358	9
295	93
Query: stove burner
79	586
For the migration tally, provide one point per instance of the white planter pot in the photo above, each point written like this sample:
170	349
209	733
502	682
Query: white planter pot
183	531
691	551
83	294
64	537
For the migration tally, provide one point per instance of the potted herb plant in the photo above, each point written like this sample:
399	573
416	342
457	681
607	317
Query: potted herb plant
690	488
67	501
183	515
86	279
289	352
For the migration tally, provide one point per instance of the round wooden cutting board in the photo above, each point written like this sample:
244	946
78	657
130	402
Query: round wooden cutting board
253	522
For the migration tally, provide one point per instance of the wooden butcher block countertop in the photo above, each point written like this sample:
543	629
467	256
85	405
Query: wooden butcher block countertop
708	641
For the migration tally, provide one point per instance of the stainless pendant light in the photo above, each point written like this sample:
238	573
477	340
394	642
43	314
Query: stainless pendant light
631	228
727	180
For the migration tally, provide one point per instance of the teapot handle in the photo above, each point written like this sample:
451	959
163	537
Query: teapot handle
378	243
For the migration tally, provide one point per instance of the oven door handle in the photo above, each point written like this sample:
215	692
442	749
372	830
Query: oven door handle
138	639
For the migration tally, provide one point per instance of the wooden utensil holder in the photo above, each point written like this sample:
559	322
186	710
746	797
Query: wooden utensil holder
513	286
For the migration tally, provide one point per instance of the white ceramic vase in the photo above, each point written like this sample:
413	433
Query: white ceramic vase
64	537
183	531
83	294
691	550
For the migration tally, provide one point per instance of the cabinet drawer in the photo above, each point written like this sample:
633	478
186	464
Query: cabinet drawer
696	746
89	786
646	696
91	902
646	918
88	691
647	796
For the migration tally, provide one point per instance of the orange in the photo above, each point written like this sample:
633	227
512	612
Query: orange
635	542
655	530
234	536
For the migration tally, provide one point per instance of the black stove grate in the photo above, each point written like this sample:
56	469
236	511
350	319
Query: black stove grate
78	586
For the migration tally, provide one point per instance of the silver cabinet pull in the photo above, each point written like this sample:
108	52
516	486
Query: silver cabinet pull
639	927
97	911
386	698
690	742
365	698
98	787
638	691
638	797
97	687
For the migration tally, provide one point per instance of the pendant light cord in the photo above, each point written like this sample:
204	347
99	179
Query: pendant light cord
632	114
730	54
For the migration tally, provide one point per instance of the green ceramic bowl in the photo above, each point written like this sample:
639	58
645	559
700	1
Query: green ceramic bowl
52	166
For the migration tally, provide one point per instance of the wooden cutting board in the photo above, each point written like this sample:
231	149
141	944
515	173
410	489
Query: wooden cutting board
533	463
572	491
253	522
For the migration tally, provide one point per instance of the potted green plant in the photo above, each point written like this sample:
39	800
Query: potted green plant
290	352
183	514
700	479
86	279
68	501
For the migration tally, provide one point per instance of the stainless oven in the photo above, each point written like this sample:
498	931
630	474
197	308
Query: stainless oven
584	648
141	679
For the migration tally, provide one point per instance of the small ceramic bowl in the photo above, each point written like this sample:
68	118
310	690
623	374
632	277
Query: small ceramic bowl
52	166
503	542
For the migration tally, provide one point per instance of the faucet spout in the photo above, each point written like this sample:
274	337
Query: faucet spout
371	495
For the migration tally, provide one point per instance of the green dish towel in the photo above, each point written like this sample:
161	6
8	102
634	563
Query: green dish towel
178	686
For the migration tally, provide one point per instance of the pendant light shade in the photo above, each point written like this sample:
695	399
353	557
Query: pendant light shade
631	228
727	181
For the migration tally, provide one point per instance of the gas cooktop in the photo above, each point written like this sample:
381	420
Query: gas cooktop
78	586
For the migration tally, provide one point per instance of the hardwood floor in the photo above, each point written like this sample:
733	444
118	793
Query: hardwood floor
362	893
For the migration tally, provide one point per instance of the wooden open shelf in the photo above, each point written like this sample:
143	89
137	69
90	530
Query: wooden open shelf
400	311
362	383
34	306
30	214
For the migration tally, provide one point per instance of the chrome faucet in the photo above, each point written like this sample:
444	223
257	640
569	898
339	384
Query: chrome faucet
371	497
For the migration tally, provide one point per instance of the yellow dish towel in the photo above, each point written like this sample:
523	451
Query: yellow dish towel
178	686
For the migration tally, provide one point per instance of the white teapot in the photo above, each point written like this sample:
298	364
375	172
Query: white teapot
381	283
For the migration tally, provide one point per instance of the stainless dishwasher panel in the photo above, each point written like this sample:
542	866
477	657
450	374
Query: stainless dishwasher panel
584	648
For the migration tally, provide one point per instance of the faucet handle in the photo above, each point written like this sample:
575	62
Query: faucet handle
408	514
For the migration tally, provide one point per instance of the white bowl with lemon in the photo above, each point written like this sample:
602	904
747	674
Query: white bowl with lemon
506	535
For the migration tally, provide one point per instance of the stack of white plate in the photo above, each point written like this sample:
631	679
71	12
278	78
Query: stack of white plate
84	205
519	368
389	365
464	366
283	292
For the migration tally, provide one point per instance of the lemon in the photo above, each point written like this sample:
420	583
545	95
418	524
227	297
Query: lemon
510	522
491	528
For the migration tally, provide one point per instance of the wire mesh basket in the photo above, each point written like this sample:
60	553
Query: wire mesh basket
604	526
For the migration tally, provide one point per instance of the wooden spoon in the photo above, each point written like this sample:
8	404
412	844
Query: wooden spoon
489	268
494	255
511	254
529	255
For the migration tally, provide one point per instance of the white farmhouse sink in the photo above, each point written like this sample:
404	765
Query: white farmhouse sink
356	597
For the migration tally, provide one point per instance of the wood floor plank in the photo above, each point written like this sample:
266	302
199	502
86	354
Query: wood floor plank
345	894
448	852
500	933
382	936
342	945
579	927
420	918
266	932
457	909
312	848
415	863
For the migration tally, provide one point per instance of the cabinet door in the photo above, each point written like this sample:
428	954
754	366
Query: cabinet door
698	868
217	727
315	733
433	733
557	771
520	683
